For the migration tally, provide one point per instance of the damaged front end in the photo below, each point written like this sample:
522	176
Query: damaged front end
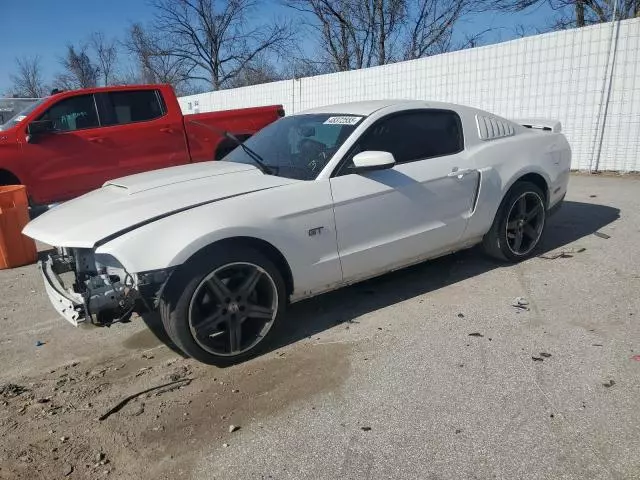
87	287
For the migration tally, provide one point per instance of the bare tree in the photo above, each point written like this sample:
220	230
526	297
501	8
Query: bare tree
155	62
79	70
106	56
362	33
254	73
27	81
431	29
576	13
301	66
353	33
215	38
386	18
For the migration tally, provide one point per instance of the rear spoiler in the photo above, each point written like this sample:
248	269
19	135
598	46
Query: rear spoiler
540	124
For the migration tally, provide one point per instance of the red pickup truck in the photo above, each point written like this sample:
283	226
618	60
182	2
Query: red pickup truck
72	142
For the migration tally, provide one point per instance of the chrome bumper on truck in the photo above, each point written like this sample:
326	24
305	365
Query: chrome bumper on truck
70	305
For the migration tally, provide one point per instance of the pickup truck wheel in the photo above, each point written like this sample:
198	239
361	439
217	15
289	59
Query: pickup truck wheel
519	224
223	306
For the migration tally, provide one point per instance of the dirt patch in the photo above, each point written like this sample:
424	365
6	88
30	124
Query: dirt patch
50	428
142	339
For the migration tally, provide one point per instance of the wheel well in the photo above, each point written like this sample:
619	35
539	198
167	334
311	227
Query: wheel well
264	247
226	145
539	181
8	178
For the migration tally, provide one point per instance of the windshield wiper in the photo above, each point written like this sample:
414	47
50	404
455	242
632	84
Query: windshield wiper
258	160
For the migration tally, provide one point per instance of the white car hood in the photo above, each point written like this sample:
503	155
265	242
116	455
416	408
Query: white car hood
128	202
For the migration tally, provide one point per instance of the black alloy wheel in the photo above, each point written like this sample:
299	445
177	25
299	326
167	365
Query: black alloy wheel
233	308
518	225
223	306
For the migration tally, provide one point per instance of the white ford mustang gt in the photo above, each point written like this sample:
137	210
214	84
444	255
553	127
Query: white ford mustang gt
313	202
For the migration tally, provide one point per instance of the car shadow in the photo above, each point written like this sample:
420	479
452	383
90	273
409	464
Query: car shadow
573	221
154	323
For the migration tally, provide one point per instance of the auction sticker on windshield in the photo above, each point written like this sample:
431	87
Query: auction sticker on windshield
343	120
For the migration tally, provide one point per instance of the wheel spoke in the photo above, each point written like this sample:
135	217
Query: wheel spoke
512	225
533	213
530	232
249	283
209	325
258	311
235	336
218	288
522	206
517	242
229	296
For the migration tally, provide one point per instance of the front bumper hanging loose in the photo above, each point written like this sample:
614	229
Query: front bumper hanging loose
70	305
101	297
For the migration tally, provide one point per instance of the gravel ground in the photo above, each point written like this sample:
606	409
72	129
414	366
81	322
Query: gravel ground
426	373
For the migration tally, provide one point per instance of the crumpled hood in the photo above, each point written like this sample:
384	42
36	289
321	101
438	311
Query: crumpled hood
125	203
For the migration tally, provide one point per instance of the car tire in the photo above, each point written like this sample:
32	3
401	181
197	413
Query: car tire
518	225
214	309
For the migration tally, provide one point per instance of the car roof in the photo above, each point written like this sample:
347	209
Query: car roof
367	107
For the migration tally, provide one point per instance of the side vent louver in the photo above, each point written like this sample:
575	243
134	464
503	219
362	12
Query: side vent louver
490	128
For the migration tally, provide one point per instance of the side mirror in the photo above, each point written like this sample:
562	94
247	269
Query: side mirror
39	127
373	160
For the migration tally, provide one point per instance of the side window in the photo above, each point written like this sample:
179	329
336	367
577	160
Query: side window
414	136
119	108
74	113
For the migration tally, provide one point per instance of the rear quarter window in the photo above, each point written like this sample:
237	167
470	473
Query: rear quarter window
121	108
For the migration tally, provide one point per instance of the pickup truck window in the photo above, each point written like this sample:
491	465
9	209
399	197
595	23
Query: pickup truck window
73	113
120	108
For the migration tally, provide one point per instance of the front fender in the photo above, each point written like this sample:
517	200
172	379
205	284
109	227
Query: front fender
169	243
269	215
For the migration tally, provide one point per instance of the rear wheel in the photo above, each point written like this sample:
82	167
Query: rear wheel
224	306
519	224
8	178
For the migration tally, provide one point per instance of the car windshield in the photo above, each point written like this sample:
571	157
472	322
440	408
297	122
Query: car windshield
298	146
9	106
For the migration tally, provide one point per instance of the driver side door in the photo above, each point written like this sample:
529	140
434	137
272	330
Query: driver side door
73	159
420	207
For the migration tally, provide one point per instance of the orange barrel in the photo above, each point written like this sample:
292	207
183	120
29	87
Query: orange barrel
15	249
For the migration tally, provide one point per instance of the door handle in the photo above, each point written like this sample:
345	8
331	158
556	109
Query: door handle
166	130
460	172
96	139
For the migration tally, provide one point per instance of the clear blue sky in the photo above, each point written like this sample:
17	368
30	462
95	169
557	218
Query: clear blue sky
45	27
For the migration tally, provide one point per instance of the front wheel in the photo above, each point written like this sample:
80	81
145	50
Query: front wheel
223	306
519	224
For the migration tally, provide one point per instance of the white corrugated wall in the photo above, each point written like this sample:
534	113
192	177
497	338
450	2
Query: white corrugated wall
561	75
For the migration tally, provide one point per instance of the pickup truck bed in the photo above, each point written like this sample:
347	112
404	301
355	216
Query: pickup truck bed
241	122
